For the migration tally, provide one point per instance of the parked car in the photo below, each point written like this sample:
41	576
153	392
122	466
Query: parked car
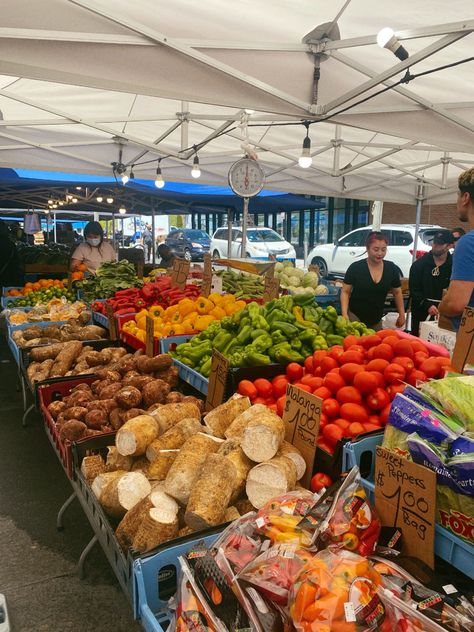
261	242
189	243
334	259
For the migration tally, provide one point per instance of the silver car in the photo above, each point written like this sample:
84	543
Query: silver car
261	242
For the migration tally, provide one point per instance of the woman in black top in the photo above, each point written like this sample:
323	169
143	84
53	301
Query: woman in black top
367	283
10	272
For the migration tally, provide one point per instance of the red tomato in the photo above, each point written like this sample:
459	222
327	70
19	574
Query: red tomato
343	425
369	341
309	364
383	351
324	445
279	386
430	367
260	400
381	383
384	413
416	376
264	387
322	392
354	412
417	345
390	340
317	372
333	381
385	333
348	394
348	371
365	381
327	364
319	481
377	365
336	352
357	357
374	419
332	434
305	379
349	341
404	361
356	428
378	399
281	405
314	382
336	371
282	376
443	361
370	353
420	357
303	387
370	427
247	389
394	373
404	348
331	407
394	389
318	356
294	372
323	421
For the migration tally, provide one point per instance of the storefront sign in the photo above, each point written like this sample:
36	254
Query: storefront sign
301	415
206	287
464	348
180	273
150	336
112	322
217	380
405	497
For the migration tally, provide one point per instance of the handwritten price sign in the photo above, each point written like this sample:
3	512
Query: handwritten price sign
301	415
217	380
405	497
464	348
179	273
206	287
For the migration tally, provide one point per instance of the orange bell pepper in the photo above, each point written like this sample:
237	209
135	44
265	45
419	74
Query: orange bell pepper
306	595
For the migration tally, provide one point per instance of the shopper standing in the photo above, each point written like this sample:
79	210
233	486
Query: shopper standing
367	283
10	272
94	251
429	276
458	232
147	242
460	292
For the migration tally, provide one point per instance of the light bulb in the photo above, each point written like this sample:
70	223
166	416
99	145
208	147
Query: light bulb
78	188
159	182
99	198
305	159
110	200
50	201
61	203
55	206
122	210
47	211
196	171
132	175
74	200
384	36
386	39
125	179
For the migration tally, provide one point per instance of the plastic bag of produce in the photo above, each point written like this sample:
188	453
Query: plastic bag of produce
191	613
455	395
240	542
337	592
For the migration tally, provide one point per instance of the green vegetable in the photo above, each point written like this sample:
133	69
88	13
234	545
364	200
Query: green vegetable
262	343
456	397
287	329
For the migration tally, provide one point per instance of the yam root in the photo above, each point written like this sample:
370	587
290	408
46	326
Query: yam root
116	461
157	527
128	397
158	469
66	358
231	514
124	492
102	480
273	478
244	506
92	466
263	437
289	450
211	493
219	419
173	438
169	414
128	526
151	365
45	353
237	427
232	451
135	435
155	392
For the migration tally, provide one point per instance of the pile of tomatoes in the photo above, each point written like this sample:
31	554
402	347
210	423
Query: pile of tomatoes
357	382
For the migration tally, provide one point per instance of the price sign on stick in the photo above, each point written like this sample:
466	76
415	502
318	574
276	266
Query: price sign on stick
112	322
150	336
271	287
179	273
464	348
217	380
301	415
206	287
405	497
217	284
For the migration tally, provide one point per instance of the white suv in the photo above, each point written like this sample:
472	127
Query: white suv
334	259
261	242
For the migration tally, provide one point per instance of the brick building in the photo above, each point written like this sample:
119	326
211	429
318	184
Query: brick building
443	214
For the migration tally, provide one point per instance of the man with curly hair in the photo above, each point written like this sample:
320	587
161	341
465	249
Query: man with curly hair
460	292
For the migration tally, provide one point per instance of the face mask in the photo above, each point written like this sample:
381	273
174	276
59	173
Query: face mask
93	242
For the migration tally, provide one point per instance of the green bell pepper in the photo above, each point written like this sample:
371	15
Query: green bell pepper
261	344
227	324
244	335
222	339
332	340
257	332
312	313
296	344
308	336
287	355
278	336
277	314
206	367
303	299
196	353
319	343
210	332
326	326
330	313
253	358
342	326
287	329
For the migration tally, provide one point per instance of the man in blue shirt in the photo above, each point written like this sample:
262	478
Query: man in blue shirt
460	292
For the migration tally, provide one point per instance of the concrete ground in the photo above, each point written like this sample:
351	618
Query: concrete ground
38	563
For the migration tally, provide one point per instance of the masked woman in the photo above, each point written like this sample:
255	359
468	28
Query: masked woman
94	251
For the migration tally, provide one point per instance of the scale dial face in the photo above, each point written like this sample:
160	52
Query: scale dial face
246	177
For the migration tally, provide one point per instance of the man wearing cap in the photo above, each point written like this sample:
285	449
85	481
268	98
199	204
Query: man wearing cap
429	276
460	292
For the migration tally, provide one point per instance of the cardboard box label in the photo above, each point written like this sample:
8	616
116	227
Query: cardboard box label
180	273
206	287
217	380
301	416
464	348
405	497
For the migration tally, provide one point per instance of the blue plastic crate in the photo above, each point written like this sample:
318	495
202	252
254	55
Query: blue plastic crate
100	319
449	547
171	342
192	377
6	299
14	349
156	572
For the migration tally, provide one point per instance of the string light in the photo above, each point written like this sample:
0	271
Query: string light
159	182
196	171
386	39
305	160
122	210
110	200
99	198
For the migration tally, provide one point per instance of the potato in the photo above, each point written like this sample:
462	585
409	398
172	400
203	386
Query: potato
170	376
138	381
153	407
151	365
76	412
78	398
81	387
174	398
72	430
108	374
127	364
95	419
130	414
115	419
155	392
92	332
108	405
98	384
55	408
128	397
189	399
130	374
109	392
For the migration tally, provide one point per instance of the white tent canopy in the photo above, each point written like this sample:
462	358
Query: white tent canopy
80	77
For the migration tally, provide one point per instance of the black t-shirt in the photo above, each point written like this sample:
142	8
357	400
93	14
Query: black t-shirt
368	298
427	281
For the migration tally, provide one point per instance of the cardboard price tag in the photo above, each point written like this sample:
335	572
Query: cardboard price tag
301	415
217	284
271	287
464	348
150	336
206	287
180	273
405	497
217	380
112	322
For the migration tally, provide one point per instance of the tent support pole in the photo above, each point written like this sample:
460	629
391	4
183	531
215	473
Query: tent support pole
245	216
55	230
113	228
420	196
229	233
153	249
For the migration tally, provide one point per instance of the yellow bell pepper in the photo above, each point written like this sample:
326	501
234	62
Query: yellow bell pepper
218	313
229	308
228	298
215	298
203	322
169	311
240	305
204	306
186	306
191	318
141	335
156	311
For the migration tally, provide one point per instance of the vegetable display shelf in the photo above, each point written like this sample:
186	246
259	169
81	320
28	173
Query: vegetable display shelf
192	377
135	343
171	342
6	299
448	547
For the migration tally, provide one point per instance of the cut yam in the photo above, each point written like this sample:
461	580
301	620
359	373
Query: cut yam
219	419
128	526
160	499
158	469
263	437
102	480
116	461
135	435
123	493
168	415
92	466
289	450
237	427
185	470
173	438
233	452
270	479
211	493
158	526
